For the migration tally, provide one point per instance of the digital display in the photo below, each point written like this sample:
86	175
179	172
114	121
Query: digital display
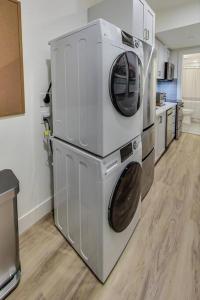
126	152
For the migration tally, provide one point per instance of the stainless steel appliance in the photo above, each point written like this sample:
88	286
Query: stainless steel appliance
179	119
170	126
160	98
9	243
169	71
148	136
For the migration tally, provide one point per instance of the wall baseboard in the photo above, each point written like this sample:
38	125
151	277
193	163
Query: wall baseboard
34	215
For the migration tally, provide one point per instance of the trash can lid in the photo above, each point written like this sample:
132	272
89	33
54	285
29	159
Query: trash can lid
8	181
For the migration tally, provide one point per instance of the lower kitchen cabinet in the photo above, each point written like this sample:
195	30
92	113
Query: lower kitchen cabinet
170	125
160	135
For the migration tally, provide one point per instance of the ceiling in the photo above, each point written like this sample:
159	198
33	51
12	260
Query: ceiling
182	37
159	5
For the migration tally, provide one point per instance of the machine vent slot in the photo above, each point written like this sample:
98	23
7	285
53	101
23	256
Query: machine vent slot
127	39
126	152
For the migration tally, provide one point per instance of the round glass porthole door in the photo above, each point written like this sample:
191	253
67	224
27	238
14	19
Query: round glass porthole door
125	84
125	199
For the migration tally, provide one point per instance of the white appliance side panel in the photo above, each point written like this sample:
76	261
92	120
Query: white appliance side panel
70	91
90	196
60	193
89	56
73	234
66	203
77	82
122	129
58	89
78	202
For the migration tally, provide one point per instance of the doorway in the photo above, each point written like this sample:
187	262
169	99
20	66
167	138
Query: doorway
191	93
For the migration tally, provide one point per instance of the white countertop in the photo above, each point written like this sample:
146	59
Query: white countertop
165	107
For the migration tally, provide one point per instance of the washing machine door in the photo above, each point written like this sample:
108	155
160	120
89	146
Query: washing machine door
125	83
126	197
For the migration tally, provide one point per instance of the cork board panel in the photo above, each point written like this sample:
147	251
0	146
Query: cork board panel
11	61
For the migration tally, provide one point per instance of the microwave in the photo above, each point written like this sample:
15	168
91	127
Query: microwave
160	99
169	71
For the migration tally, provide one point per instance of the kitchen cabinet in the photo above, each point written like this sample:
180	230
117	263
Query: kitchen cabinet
174	60
143	22
160	60
138	19
160	128
163	55
166	54
149	25
170	125
133	16
174	122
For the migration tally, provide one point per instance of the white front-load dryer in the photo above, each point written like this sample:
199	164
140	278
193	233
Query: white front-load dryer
97	201
97	76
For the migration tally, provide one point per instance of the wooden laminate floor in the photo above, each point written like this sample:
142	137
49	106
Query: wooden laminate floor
161	261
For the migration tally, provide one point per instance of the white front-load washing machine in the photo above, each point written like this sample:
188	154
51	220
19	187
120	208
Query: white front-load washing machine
97	201
97	87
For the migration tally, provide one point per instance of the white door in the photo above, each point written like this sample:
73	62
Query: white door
161	61
167	54
174	60
149	23
156	138
160	135
138	19
157	45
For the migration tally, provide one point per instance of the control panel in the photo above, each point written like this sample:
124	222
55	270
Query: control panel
126	152
128	40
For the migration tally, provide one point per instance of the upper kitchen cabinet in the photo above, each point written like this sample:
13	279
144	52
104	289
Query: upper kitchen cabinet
143	26
163	56
11	65
138	19
133	16
160	59
174	60
149	24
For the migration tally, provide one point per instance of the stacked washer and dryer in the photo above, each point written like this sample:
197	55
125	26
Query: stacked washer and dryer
97	76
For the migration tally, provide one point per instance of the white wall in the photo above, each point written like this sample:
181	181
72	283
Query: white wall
22	137
180	16
181	53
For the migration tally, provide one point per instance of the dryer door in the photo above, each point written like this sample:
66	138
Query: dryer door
125	83
126	196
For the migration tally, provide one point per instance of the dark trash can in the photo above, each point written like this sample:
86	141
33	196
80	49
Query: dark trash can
9	235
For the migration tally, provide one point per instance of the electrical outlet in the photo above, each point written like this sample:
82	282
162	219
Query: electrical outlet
44	113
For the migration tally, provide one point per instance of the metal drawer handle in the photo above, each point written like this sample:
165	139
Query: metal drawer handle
146	34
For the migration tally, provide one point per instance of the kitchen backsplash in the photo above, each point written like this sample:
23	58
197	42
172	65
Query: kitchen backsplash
168	87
